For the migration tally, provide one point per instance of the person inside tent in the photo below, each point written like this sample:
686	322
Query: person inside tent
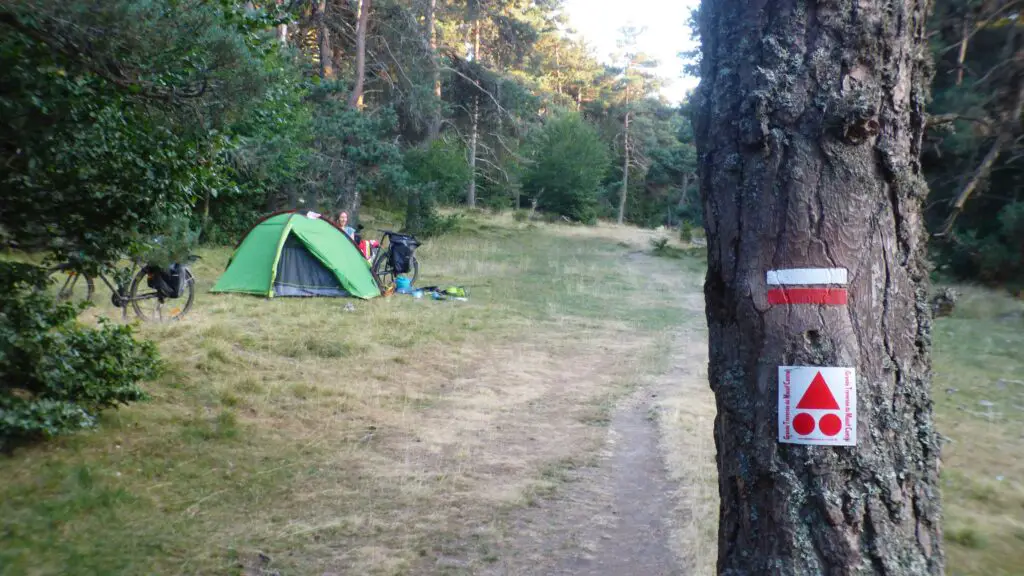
343	224
365	246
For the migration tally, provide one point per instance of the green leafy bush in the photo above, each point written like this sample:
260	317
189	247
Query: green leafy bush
438	225
175	244
436	173
569	161
441	165
686	231
995	256
104	142
57	375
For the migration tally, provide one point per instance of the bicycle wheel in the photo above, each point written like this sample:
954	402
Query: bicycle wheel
414	270
72	286
383	271
151	306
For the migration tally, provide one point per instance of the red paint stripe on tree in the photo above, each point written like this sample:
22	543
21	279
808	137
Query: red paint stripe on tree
828	296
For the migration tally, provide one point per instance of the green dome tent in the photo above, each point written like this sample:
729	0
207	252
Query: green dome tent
289	254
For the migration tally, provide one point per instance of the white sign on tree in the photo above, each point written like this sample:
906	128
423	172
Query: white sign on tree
817	405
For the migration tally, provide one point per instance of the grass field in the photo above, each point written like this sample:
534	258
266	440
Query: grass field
978	388
294	435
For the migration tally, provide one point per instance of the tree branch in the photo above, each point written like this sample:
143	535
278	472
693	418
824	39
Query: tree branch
940	119
480	88
1010	123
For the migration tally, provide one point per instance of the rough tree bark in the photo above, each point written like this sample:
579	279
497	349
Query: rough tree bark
355	100
323	36
809	129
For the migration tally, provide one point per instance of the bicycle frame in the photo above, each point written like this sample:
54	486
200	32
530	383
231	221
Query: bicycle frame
120	295
387	234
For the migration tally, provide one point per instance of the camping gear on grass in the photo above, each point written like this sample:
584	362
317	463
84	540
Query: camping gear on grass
403	285
450	293
401	251
289	254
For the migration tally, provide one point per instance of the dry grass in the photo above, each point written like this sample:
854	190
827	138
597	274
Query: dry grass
395	439
686	421
388	440
978	390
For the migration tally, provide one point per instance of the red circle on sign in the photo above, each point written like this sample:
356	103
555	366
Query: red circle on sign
803	424
830	424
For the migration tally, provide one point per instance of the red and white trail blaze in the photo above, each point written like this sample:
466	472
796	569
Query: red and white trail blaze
807	286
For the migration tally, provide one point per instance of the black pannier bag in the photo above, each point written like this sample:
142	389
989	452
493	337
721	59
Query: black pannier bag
402	248
168	282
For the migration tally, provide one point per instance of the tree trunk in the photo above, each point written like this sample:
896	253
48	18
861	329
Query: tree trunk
205	228
474	135
558	69
476	38
683	197
323	35
962	55
474	128
363	19
625	168
282	29
435	72
808	131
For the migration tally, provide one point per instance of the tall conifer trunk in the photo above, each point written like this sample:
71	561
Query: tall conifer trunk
474	129
809	130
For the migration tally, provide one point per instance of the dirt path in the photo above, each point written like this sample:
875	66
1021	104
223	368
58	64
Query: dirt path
613	518
647	492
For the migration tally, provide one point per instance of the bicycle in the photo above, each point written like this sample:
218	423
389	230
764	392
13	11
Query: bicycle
148	285
398	258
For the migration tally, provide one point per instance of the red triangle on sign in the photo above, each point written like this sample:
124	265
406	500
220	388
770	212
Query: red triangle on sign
818	396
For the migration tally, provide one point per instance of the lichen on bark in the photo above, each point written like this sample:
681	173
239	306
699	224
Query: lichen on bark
809	123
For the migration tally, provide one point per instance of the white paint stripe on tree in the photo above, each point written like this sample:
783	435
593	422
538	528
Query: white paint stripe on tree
807	276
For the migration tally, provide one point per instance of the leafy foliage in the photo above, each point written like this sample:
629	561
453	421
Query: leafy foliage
569	161
440	168
437	173
113	115
56	375
973	148
995	257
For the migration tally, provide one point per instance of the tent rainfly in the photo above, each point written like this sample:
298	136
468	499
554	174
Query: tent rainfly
290	254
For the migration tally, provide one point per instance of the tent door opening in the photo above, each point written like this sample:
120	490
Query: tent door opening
299	273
